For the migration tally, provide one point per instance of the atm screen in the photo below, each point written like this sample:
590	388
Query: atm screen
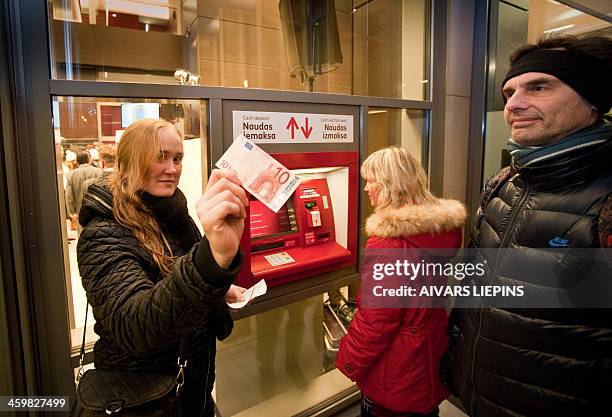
265	223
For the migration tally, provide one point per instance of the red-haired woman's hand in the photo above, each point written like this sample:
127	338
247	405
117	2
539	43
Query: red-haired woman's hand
222	210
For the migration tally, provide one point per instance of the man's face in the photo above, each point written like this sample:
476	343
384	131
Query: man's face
541	109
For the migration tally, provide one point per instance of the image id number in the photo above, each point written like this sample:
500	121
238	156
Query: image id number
35	403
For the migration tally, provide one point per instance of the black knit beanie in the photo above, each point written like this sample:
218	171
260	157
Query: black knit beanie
588	76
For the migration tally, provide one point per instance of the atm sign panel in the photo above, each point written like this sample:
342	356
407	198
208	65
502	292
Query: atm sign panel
277	127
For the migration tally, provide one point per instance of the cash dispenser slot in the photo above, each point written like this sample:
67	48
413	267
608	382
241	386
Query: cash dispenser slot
268	246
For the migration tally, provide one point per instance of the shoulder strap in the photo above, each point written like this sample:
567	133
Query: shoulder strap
181	361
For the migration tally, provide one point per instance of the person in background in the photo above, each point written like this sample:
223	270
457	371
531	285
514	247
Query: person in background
150	277
393	353
108	154
69	163
94	153
555	194
74	183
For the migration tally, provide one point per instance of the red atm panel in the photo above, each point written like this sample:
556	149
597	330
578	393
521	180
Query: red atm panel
300	240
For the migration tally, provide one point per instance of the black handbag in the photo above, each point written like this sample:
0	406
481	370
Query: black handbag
102	392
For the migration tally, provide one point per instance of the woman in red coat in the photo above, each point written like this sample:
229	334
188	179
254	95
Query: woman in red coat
393	353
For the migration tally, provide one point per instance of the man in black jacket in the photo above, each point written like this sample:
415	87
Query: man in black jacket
556	193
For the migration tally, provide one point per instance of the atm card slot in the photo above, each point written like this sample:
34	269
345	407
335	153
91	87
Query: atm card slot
261	248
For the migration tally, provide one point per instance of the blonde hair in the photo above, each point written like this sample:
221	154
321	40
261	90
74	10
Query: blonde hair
138	148
400	176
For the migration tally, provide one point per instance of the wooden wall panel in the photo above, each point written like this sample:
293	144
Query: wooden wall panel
102	46
78	120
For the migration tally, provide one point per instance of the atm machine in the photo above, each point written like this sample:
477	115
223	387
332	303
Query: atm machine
314	232
277	352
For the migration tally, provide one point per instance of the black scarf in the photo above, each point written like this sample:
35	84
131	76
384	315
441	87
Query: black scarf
173	215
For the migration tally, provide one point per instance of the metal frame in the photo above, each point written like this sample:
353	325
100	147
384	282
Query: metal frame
12	376
34	207
31	186
585	9
78	88
478	105
438	90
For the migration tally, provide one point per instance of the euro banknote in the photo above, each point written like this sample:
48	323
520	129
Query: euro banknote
261	175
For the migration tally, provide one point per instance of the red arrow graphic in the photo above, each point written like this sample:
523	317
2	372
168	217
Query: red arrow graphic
306	131
292	124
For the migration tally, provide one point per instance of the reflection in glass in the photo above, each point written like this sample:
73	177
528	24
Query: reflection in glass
368	48
389	46
94	126
278	362
401	127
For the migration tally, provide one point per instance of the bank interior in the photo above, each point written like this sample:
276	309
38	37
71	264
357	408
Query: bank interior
399	72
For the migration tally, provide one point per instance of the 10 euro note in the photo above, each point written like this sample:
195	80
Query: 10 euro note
261	175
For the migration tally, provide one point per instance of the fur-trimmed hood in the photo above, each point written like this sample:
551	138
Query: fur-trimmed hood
439	217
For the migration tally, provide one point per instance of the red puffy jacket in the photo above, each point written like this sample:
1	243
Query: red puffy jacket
393	353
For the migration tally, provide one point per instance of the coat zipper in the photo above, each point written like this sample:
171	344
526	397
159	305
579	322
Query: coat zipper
514	216
502	244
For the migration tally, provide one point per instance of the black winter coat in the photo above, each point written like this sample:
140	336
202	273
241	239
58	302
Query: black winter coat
538	362
142	315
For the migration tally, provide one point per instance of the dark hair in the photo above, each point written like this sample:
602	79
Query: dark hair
108	153
598	47
82	157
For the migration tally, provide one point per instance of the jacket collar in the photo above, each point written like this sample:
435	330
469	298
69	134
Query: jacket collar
441	216
98	200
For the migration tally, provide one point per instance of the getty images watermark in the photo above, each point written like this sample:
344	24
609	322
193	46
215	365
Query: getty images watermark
510	278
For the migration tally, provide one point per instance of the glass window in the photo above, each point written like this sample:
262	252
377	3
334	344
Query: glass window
389	46
521	22
374	48
92	127
282	361
401	127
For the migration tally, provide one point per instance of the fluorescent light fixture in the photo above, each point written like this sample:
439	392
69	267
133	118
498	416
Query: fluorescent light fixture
560	28
376	111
